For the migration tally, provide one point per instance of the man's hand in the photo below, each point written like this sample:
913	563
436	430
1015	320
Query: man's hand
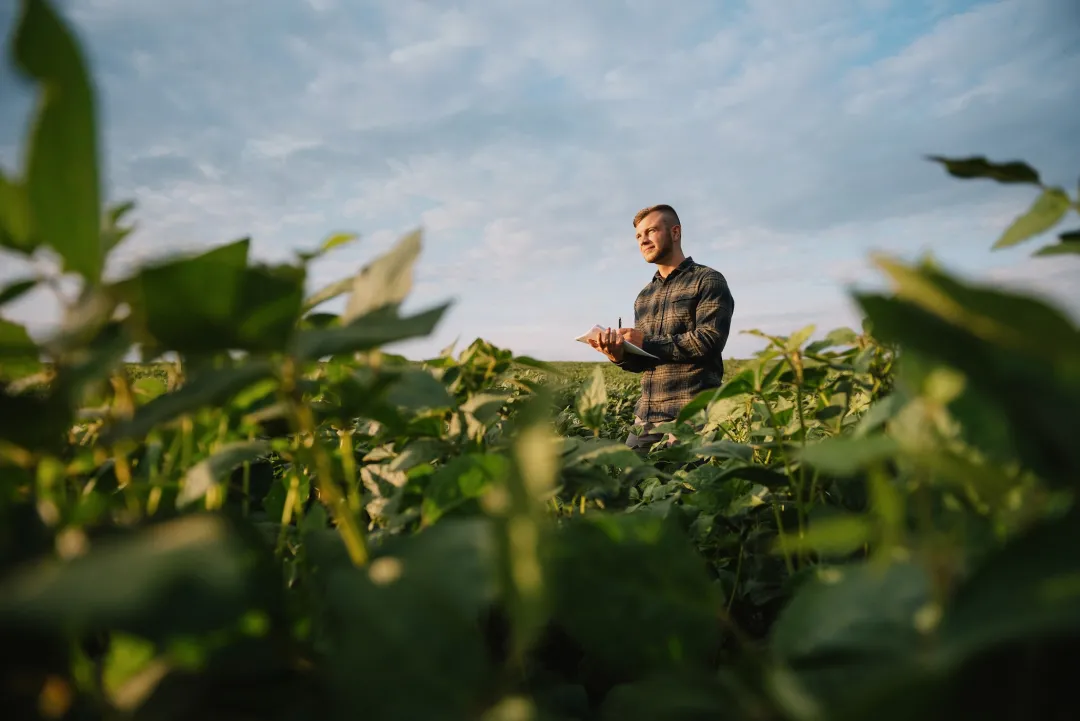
610	343
632	335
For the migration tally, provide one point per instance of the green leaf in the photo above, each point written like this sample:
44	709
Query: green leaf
1065	247
599	452
1011	319
849	629
726	449
184	576
979	167
386	281
795	341
338	287
62	183
644	566
149	387
16	289
19	354
401	634
591	400
15	232
464	479
213	387
1014	380
249	308
833	535
837	337
1027	591
205	474
845	456
418	390
737	385
1044	214
15	342
366	332
113	232
333	241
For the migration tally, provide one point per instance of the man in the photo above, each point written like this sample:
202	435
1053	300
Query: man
682	316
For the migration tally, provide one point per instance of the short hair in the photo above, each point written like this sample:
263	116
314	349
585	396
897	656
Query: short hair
667	211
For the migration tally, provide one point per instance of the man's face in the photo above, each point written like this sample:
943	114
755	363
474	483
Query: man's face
655	237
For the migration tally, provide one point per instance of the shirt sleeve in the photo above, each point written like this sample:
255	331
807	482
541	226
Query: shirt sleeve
635	363
712	327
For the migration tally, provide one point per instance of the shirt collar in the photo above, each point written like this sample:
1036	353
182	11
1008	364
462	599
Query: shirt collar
681	267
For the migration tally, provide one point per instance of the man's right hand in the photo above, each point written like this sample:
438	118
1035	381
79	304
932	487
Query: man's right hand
610	343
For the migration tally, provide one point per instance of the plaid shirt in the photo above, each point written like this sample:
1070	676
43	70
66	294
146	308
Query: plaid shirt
686	319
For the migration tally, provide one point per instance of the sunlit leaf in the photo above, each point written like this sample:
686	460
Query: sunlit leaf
386	281
1044	214
591	400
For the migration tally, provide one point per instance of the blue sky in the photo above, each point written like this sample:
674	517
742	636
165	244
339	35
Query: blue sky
523	136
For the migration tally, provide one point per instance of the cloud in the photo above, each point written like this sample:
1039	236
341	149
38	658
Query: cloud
522	138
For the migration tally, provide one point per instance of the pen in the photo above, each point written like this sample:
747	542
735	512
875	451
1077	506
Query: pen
620	322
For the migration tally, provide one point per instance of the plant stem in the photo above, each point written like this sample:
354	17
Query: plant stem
316	455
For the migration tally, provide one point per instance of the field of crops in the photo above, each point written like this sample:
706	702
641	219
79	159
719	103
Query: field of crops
289	523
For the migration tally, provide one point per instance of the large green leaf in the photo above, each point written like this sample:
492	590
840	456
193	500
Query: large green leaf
365	333
1010	319
386	281
418	390
1021	385
402	633
214	301
190	575
612	573
850	628
62	184
844	455
1027	591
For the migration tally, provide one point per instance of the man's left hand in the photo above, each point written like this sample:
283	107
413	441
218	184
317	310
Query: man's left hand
632	335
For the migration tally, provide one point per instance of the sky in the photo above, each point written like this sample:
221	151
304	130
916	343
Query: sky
521	138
